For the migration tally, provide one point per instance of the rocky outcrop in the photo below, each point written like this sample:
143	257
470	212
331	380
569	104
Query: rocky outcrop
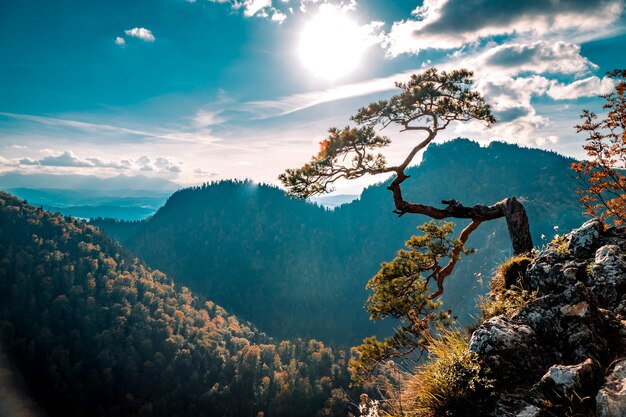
508	348
554	355
582	241
569	380
608	279
611	398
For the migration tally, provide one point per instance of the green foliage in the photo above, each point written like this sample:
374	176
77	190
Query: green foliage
94	332
317	176
428	102
402	289
452	382
432	98
508	289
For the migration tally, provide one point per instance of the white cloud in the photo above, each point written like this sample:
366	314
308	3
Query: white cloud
278	16
70	160
588	87
199	172
159	164
538	57
252	7
449	24
120	41
144	160
66	159
141	33
277	11
551	139
496	65
123	164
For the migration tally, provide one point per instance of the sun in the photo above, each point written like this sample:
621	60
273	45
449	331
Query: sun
331	44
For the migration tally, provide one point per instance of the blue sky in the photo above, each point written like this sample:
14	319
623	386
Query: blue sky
195	91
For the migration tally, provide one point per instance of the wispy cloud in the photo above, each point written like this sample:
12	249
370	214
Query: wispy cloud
199	172
297	102
170	135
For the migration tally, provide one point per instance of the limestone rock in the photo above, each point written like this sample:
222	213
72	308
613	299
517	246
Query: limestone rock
516	406
609	275
509	349
548	358
611	399
569	326
565	380
585	238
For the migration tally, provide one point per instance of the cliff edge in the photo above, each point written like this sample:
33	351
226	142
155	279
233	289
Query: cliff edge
562	352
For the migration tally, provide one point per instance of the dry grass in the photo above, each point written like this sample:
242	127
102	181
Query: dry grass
451	382
509	291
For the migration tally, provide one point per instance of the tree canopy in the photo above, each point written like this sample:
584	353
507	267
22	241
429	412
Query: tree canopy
428	103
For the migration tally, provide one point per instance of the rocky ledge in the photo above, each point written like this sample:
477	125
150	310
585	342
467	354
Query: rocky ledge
564	352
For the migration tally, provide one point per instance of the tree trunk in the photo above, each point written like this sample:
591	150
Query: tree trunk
509	208
519	229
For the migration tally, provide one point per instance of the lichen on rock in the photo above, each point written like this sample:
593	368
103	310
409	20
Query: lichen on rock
611	398
550	357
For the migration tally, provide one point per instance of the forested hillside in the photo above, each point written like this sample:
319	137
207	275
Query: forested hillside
93	332
296	269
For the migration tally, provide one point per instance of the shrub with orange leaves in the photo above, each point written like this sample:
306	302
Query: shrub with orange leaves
603	177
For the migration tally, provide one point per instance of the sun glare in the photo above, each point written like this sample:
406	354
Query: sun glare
331	45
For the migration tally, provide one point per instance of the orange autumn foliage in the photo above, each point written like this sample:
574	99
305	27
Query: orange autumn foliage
603	177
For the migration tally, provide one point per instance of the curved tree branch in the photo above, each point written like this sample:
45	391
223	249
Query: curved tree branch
428	103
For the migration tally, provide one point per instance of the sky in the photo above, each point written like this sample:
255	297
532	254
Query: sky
197	91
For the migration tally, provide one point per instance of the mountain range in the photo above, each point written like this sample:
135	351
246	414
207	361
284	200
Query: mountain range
299	270
84	196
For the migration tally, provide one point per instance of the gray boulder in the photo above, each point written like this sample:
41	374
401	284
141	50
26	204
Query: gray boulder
567	380
609	275
611	398
569	326
583	240
509	349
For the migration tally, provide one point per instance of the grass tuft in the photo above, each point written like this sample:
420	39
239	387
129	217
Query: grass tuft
451	383
509	290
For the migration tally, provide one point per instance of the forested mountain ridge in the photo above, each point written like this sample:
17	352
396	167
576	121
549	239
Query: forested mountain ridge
93	332
239	243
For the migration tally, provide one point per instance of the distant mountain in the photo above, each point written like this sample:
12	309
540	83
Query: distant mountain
87	204
91	331
11	180
297	269
333	201
122	197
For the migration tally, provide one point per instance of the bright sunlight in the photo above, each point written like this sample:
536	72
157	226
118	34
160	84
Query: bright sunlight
331	44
